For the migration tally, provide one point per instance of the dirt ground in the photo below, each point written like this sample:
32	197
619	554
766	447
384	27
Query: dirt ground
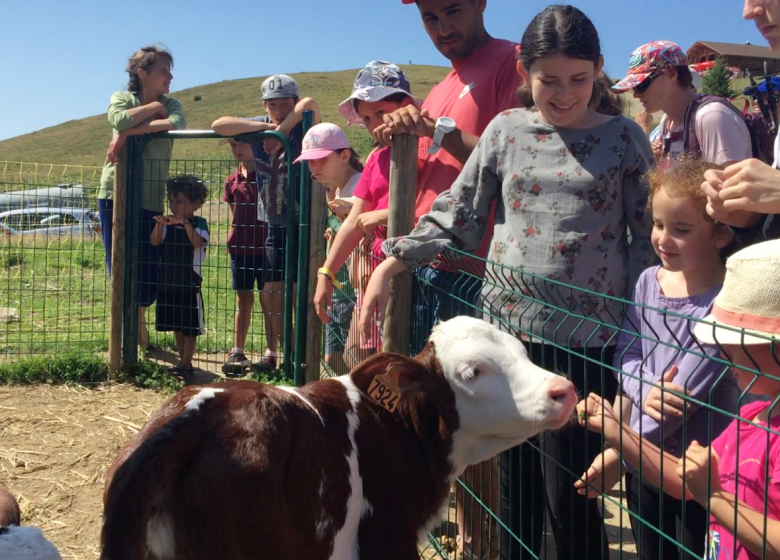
56	443
55	446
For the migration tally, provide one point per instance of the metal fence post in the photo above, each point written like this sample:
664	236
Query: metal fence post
304	227
118	232
132	225
403	188
317	245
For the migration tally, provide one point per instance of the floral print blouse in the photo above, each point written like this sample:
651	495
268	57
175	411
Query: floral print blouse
567	199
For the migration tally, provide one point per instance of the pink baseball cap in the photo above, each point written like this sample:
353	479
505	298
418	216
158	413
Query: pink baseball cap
322	140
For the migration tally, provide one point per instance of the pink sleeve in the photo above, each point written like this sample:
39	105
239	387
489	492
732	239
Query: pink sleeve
374	184
507	83
363	188
723	135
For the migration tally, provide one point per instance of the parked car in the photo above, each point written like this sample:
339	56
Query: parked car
50	221
65	195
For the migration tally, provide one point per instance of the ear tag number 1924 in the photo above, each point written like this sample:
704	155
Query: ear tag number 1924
385	391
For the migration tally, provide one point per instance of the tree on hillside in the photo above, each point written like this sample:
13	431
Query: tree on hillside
718	80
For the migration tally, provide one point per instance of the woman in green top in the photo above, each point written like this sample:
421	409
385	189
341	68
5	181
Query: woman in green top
142	109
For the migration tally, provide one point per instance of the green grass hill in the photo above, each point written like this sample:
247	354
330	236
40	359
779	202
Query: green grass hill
84	141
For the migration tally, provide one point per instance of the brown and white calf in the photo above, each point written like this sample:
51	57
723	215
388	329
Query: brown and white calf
246	471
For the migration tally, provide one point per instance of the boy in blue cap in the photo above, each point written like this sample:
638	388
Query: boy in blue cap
284	112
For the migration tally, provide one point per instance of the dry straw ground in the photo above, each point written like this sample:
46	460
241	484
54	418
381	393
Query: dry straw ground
56	443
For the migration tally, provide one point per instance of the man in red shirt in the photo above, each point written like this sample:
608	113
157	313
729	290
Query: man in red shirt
483	82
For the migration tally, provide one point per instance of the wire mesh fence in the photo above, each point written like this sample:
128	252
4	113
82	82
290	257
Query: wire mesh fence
53	283
524	503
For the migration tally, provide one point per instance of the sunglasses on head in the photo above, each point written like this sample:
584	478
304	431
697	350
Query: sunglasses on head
642	87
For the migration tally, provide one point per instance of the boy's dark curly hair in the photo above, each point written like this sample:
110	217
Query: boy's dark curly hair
190	186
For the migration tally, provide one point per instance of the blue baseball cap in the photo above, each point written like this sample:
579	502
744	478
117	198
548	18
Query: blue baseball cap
379	79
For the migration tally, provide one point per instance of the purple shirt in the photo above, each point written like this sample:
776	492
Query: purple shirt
644	358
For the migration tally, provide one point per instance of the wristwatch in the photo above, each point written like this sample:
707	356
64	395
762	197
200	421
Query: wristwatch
444	125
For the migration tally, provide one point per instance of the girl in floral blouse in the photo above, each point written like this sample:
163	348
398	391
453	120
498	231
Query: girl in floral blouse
569	186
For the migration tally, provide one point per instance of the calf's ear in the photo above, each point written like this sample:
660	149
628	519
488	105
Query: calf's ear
392	368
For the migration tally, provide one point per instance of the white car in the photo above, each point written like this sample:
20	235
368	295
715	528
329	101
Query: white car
81	222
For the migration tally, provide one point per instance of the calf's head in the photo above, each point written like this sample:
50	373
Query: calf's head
488	393
501	397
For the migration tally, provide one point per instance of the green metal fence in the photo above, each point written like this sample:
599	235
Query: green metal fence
272	319
507	508
53	281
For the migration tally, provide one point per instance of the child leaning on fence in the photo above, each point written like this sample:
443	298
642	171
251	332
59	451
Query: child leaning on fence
334	163
736	478
182	239
568	183
656	347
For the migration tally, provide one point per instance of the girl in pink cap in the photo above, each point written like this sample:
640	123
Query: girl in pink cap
334	163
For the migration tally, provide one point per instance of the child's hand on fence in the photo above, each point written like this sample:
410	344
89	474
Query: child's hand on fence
323	297
329	234
693	469
367	222
406	120
602	475
659	405
596	414
271	146
116	145
175	221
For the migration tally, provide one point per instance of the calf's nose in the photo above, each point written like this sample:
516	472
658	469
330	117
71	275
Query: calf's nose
561	391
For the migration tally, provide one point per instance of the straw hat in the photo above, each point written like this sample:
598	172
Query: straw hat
749	299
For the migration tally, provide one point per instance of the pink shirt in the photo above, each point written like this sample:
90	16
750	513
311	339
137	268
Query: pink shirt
755	457
478	88
374	187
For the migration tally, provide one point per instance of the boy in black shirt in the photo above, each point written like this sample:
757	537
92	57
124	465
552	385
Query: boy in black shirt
182	238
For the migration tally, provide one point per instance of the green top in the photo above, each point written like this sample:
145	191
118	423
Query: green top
347	292
156	156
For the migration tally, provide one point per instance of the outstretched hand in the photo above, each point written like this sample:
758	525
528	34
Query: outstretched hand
693	470
661	404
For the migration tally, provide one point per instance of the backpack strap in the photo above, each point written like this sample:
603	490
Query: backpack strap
690	140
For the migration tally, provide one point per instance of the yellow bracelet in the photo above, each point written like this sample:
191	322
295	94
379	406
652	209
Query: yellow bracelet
326	272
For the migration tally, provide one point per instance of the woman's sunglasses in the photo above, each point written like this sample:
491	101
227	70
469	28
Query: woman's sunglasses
642	87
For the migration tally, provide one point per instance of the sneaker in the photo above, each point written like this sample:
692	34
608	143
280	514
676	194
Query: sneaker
267	363
236	364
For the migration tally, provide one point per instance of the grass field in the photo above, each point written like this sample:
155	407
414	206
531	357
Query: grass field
84	141
58	294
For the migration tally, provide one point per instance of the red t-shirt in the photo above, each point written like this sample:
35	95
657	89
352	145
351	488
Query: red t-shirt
247	236
374	187
478	88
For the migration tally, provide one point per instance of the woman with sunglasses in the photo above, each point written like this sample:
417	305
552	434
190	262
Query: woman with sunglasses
661	80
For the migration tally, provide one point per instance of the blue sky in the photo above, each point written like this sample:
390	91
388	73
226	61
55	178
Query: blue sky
62	60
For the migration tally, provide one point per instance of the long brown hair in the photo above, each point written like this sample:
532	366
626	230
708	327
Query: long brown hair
354	159
144	58
604	100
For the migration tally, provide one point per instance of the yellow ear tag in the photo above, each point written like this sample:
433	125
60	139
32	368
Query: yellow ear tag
384	390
